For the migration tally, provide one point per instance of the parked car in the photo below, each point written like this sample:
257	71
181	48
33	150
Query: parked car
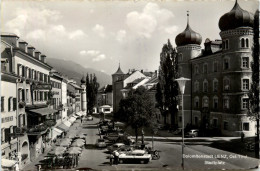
192	133
89	118
178	131
137	156
114	147
101	143
125	148
112	136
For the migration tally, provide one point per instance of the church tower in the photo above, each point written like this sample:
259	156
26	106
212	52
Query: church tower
188	47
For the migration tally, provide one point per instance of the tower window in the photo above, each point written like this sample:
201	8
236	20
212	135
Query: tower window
245	62
245	103
180	57
226	63
244	43
245	84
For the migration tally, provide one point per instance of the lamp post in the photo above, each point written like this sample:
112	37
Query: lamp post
181	82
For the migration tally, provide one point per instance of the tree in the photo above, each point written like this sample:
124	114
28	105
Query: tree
253	108
92	88
167	88
137	109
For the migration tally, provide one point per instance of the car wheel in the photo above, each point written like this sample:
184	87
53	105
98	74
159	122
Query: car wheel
142	161
121	161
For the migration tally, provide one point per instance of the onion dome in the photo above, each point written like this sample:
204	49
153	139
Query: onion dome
119	71
83	80
188	36
235	18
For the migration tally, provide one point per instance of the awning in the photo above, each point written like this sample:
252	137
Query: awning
63	127
44	111
75	116
79	113
56	132
72	119
67	123
8	163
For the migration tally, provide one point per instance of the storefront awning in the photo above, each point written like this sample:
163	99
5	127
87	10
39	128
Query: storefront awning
72	119
44	111
8	163
67	123
63	127
56	132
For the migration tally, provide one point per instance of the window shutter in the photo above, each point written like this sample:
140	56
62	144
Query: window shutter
9	104
23	119
7	135
14	104
23	95
2	104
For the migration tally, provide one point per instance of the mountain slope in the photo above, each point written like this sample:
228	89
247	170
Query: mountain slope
76	71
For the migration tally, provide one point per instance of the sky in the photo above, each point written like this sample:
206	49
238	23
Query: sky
102	34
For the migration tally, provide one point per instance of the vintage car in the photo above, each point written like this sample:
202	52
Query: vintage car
114	147
135	156
101	143
89	118
192	133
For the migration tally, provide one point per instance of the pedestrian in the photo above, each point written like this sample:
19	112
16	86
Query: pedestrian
116	157
43	147
81	119
111	157
242	136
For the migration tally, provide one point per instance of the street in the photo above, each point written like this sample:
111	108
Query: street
197	155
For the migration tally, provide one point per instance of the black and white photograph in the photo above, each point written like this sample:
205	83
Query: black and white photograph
130	85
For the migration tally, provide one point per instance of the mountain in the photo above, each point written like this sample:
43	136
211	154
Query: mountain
76	71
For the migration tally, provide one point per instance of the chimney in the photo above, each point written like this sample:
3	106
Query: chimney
23	46
43	58
31	51
11	39
38	55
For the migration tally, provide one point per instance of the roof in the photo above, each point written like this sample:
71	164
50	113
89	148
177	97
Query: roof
43	111
154	79
119	71
106	89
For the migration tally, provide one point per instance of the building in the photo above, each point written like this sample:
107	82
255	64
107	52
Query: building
105	99
32	91
216	97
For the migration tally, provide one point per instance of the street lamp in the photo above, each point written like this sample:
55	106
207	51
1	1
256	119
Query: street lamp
181	82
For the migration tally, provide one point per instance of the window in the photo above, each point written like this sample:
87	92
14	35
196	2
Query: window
215	123
197	69
215	85
41	98
226	63
2	104
196	120
205	102
225	125
245	84
14	104
226	103
10	104
215	66
196	88
245	103
180	57
7	135
20	94
215	102
205	68
23	95
245	126
225	44
244	43
205	86
2	135
196	102
245	62
226	84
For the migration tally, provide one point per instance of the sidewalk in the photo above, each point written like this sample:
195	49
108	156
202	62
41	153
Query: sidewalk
31	166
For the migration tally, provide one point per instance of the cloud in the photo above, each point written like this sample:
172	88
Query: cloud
150	19
121	34
83	52
76	34
99	29
92	52
36	35
99	58
171	29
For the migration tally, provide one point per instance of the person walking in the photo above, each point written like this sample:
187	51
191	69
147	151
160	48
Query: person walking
111	157
81	119
242	136
116	157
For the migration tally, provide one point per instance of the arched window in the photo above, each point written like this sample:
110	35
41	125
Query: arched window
215	85
226	63
196	102
205	68
215	66
205	101
205	86
226	103
196	69
226	84
196	86
242	42
215	102
247	43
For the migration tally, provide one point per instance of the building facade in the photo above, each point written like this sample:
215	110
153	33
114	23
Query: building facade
216	97
105	99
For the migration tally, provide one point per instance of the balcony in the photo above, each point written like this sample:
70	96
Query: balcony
38	129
